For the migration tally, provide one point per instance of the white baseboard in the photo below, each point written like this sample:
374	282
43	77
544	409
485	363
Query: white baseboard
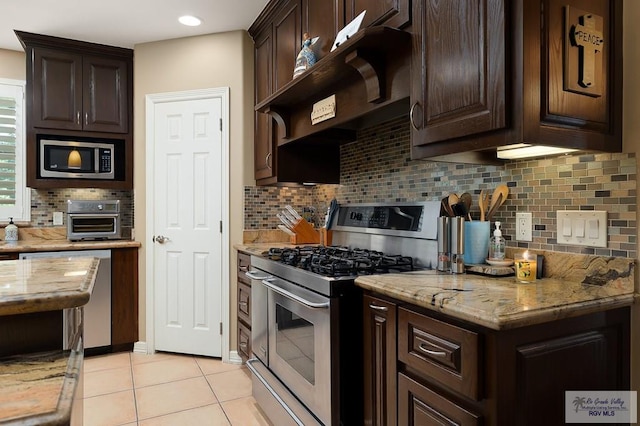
140	347
234	358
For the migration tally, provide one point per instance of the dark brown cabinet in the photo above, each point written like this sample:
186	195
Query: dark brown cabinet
392	13
244	306
446	371
486	74
78	90
124	298
380	355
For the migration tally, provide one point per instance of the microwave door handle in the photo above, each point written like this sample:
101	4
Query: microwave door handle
294	297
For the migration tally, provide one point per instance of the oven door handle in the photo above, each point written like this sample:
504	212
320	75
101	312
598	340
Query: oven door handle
268	283
253	276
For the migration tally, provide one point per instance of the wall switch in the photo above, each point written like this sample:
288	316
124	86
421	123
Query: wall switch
582	228
523	227
57	218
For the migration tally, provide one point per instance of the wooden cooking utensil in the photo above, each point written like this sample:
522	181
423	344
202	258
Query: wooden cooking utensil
466	199
453	199
497	199
483	203
446	207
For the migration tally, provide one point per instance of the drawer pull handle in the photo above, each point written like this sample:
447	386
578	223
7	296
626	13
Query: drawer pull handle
243	345
423	348
378	308
244	268
243	303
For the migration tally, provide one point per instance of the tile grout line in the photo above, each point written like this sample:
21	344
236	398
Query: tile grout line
133	383
214	393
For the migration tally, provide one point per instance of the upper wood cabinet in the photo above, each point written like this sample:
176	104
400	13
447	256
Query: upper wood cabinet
81	90
392	13
458	70
76	92
479	89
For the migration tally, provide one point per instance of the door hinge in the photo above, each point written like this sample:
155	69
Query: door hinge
221	124
220	328
221	227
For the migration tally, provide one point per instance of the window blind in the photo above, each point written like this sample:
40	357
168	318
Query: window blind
8	143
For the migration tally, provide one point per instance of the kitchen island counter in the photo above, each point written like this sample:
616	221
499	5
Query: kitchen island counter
585	285
40	371
38	285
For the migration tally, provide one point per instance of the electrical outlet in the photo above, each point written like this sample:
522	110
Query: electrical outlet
523	227
57	218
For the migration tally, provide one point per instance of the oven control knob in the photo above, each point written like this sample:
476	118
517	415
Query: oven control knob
100	207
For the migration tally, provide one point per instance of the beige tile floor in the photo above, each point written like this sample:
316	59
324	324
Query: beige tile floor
167	389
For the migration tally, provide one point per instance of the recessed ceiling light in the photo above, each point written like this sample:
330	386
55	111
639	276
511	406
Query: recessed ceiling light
190	21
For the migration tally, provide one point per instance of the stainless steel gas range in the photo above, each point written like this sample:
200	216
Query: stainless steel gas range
307	311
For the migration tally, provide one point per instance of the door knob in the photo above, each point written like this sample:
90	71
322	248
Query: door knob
160	239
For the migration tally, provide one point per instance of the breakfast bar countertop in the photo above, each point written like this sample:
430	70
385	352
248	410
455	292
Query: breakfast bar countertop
581	285
37	285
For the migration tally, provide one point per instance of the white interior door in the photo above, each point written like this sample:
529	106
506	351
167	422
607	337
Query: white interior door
187	216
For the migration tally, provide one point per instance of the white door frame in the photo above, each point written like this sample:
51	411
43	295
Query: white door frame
151	101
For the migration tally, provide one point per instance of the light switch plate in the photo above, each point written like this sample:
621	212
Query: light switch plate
587	228
57	218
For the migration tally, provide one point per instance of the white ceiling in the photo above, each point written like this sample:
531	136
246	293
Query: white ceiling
122	23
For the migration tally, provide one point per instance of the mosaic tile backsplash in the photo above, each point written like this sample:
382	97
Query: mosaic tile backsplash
45	202
377	167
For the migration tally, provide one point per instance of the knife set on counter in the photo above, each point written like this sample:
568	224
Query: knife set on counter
300	230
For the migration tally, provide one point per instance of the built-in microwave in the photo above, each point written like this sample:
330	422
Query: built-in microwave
73	159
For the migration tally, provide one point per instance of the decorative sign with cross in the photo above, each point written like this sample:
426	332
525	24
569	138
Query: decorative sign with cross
583	52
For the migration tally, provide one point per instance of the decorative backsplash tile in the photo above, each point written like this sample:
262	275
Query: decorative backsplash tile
377	167
46	201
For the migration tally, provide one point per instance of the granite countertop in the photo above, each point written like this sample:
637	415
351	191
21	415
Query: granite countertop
259	249
24	246
39	388
36	285
502	303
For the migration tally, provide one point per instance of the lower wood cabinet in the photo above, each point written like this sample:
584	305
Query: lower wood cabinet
447	371
243	328
124	298
380	355
420	406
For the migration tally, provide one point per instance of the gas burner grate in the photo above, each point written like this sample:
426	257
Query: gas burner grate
339	261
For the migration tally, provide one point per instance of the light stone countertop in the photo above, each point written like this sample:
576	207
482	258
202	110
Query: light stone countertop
501	303
36	285
39	389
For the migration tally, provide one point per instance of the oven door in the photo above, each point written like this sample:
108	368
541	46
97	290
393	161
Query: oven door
300	343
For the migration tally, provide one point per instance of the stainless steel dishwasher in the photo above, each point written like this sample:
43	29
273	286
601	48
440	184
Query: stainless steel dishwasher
97	313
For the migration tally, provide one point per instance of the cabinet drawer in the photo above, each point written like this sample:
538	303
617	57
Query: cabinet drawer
244	341
440	351
244	263
419	405
244	303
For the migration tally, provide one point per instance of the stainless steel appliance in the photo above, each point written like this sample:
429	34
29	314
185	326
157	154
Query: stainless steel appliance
97	313
77	159
93	220
306	310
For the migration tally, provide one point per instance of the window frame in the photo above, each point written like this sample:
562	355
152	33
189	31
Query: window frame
21	210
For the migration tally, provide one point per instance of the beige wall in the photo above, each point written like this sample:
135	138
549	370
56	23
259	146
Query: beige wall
12	65
216	60
631	141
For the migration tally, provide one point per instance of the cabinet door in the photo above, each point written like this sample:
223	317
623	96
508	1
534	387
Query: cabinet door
379	336
392	13
105	95
287	42
124	297
263	149
420	406
57	90
458	69
323	19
